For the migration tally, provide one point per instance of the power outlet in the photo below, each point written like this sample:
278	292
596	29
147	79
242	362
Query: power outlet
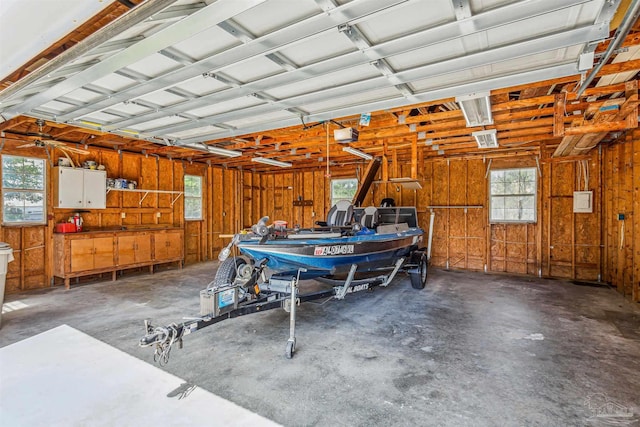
158	214
123	215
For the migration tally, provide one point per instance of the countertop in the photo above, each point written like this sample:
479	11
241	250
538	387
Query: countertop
119	229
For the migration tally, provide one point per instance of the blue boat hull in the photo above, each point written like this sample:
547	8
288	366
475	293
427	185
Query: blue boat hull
332	256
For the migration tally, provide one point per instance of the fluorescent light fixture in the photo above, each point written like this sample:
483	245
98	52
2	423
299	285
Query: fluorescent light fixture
272	162
476	108
357	153
213	150
486	138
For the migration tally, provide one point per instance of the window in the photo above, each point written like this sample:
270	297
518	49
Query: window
192	197
343	189
23	194
513	195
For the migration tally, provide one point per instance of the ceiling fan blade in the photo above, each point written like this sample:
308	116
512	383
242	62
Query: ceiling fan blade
31	144
73	149
63	146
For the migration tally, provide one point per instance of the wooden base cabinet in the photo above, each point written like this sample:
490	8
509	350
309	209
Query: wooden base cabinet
83	254
134	249
168	246
91	254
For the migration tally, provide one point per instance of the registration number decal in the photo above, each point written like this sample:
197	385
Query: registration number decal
333	250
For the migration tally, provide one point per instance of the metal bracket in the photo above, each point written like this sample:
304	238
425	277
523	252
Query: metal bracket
342	291
146	193
393	273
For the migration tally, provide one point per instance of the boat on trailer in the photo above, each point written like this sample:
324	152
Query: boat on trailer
331	252
356	249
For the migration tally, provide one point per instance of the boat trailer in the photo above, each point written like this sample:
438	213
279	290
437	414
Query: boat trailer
249	292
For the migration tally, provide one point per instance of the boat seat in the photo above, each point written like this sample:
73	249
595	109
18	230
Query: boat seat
387	203
340	214
369	217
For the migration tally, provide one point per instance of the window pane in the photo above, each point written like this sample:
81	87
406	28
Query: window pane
23	207
513	195
511	202
193	208
512	187
528	202
192	186
497	214
22	173
497	202
498	188
343	189
23	185
193	197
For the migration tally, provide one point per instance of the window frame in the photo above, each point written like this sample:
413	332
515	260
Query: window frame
189	197
534	196
334	201
43	221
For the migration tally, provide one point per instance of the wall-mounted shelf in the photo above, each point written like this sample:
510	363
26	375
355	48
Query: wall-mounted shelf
146	193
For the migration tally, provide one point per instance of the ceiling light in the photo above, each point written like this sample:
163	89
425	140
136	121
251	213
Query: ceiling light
272	162
476	108
213	150
486	138
357	153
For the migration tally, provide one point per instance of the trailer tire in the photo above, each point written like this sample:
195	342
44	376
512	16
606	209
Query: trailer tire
291	348
419	275
228	270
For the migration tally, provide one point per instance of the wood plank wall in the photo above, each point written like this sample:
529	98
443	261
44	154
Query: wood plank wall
621	237
560	244
32	245
570	241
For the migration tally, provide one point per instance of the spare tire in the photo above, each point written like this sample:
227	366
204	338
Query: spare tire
228	271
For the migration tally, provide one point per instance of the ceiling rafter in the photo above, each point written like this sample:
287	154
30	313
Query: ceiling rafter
272	76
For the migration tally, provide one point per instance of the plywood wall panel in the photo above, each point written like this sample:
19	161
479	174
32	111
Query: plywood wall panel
256	198
287	198
307	194
192	241
476	223
497	247
13	237
270	197
148	180
621	177
247	199
319	197
458	183
166	182
477	187
217	191
635	248
34	255
229	202
111	161
424	194
516	267
278	197
563	177
440	196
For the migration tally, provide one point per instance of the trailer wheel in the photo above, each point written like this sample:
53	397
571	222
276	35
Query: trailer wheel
419	277
290	349
228	271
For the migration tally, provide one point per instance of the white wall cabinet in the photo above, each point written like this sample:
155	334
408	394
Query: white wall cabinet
80	188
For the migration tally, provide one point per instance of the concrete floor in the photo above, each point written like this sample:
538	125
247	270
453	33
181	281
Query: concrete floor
470	349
